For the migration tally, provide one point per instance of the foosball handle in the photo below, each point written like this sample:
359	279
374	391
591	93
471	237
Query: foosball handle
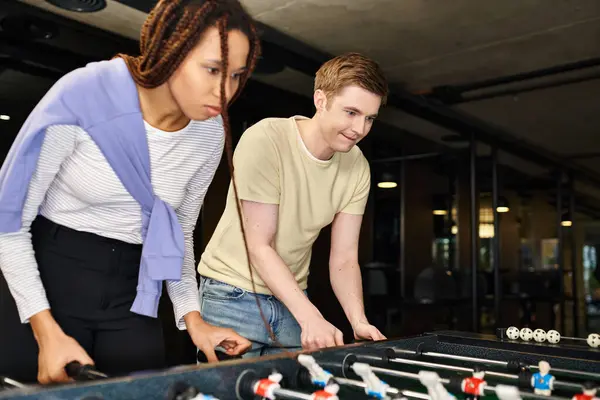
81	372
244	386
516	366
221	356
525	379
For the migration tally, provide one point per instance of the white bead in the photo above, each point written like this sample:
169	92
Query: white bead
553	336
512	332
539	335
593	340
526	334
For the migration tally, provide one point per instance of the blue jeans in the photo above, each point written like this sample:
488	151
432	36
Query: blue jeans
231	307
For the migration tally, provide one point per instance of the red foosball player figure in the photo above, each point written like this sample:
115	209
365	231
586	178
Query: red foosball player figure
474	385
265	388
328	393
589	392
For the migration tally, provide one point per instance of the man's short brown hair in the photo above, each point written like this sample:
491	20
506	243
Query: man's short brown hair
351	69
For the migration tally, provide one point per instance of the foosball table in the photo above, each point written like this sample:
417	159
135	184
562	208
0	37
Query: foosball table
444	365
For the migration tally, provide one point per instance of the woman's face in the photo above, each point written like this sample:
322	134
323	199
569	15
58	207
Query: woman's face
196	84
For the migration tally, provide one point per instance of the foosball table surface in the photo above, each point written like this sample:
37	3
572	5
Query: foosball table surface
454	356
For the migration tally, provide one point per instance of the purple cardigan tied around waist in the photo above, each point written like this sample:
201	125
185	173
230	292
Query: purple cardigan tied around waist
102	99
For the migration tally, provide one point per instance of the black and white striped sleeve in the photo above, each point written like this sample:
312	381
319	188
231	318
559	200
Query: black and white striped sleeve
184	293
17	259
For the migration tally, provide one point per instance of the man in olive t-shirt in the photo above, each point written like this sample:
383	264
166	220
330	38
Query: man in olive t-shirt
295	176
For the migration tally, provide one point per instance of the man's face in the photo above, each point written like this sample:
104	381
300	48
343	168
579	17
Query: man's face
347	117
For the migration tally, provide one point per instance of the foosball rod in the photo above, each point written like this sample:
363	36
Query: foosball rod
445	382
557	384
391	391
74	370
506	364
11	382
314	374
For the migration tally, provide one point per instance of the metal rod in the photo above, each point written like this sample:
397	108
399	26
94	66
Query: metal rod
488	388
559	250
402	175
496	238
525	89
573	255
415	395
474	233
573	338
592	62
290	394
406	158
361	384
12	382
490	362
463	358
450	367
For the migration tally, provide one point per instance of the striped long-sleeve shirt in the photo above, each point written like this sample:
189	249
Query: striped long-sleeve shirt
75	186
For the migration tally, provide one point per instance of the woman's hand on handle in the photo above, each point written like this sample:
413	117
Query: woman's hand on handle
207	337
56	349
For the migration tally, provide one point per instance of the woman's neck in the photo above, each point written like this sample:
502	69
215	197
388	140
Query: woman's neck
160	109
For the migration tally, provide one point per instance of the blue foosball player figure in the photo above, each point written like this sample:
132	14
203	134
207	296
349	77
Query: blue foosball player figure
542	382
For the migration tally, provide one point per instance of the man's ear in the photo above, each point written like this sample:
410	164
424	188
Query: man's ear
320	100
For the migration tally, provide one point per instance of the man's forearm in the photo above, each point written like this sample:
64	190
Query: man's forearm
280	280
346	282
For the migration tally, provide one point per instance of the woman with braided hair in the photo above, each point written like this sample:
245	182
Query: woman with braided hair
101	192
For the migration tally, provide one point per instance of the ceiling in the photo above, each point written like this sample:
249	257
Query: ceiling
430	50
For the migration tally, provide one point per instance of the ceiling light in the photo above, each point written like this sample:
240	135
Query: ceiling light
440	212
566	223
4	117
387	185
502	209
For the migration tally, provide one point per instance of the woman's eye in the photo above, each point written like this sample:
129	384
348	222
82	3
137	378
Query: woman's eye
213	71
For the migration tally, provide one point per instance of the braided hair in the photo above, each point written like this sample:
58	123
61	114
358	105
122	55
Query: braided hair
171	30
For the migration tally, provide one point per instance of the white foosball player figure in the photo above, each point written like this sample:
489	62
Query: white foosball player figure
542	382
375	386
265	388
589	392
318	375
435	389
505	392
328	393
474	385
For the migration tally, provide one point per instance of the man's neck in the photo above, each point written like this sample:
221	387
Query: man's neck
312	137
160	110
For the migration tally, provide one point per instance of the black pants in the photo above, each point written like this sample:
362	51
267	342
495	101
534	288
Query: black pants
90	282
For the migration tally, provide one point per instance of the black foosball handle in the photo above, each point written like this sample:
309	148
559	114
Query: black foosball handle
221	356
81	372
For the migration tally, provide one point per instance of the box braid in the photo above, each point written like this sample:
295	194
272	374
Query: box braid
171	30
